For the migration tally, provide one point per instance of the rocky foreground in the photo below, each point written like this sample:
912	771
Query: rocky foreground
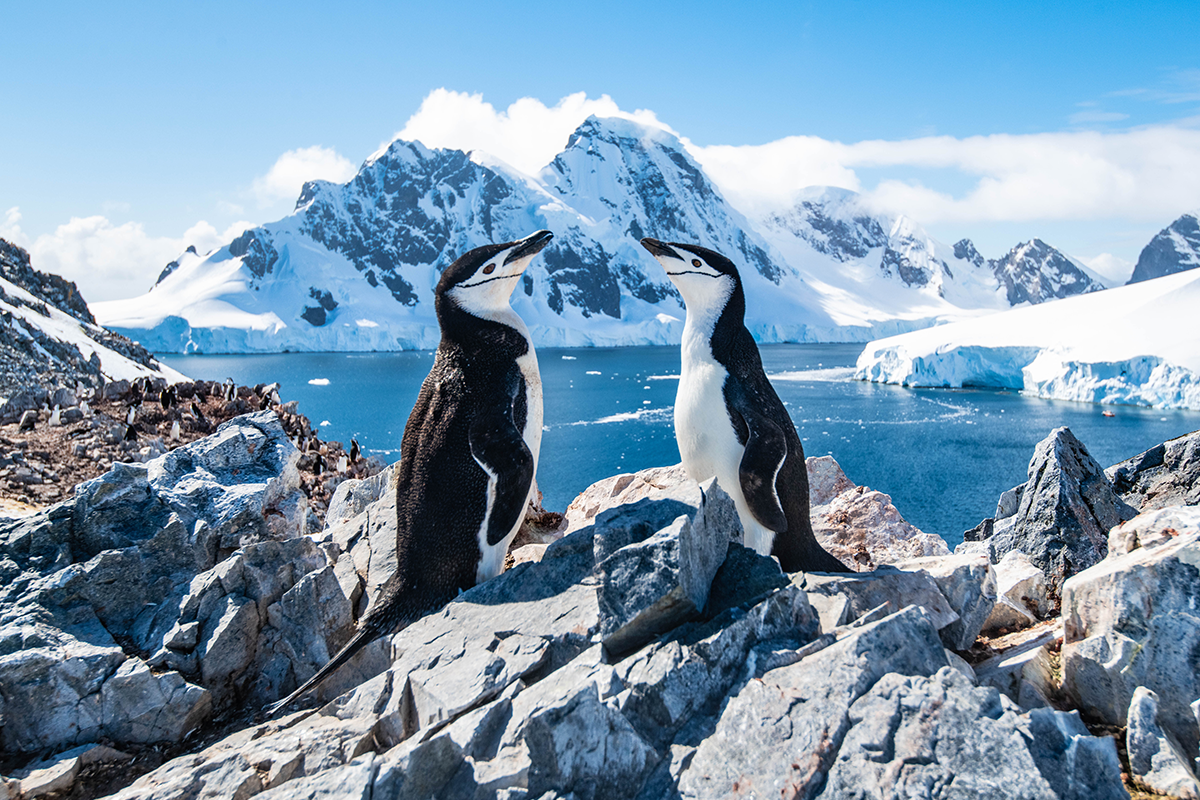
636	650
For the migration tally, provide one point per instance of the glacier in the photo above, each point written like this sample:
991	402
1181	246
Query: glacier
1131	345
354	266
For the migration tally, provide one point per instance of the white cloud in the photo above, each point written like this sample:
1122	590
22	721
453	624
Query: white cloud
1141	174
110	262
1081	117
1114	270
287	176
527	135
10	228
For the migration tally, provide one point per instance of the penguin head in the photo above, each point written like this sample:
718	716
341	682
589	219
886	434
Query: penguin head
482	280
704	277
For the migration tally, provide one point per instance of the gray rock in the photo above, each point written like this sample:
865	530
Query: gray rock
909	733
228	643
969	585
352	497
1077	765
58	776
1024	670
137	705
51	673
18	403
352	781
841	599
1065	512
781	734
1130	622
1165	475
145	550
1153	528
1155	757
1022	599
649	587
667	685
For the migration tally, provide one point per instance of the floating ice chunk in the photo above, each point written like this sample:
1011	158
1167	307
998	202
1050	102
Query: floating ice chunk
366	323
319	382
568	358
325	422
594	372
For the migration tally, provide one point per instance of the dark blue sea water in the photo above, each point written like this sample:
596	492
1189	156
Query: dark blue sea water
943	455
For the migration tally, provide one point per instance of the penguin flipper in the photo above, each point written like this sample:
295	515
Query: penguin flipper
500	449
766	450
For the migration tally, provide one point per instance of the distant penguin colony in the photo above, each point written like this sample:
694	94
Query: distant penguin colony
729	422
469	451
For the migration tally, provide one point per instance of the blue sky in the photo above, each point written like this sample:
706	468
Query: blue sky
148	119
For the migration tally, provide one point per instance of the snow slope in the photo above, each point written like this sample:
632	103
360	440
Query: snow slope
1136	344
41	343
353	268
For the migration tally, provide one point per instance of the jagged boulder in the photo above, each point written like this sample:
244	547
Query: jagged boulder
1165	475
1130	621
188	562
955	592
1060	517
859	526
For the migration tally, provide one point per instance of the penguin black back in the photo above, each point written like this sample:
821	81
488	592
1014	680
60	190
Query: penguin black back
469	450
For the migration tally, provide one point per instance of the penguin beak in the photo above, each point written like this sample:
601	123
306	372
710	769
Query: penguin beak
660	249
529	247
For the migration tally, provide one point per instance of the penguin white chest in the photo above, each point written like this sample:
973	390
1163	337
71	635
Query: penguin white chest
707	442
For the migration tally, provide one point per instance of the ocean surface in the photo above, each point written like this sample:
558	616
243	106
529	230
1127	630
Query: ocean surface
943	455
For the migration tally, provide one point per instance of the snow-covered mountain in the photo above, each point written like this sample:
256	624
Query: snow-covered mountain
353	267
1176	248
48	337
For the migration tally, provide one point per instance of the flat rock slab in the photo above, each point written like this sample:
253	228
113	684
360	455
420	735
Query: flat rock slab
841	599
778	735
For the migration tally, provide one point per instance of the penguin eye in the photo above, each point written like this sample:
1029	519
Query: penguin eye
696	262
489	269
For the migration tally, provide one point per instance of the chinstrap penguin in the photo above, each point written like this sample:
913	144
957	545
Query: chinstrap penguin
469	451
729	422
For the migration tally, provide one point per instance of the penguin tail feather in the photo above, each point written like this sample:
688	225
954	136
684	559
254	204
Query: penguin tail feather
362	637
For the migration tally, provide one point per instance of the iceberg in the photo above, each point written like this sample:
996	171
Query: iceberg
1132	345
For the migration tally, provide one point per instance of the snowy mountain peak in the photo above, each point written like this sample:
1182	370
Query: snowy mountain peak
354	266
1176	248
833	222
1033	272
964	250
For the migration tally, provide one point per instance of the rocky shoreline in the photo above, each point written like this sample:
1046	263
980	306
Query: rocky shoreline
43	457
632	649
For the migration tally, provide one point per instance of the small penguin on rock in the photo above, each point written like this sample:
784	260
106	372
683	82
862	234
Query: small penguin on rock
729	422
469	451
